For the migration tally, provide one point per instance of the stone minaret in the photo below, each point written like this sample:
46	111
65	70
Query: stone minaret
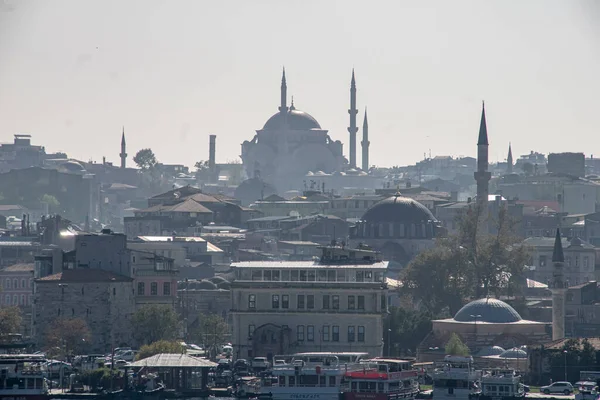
558	287
482	175
365	144
352	129
123	154
509	160
283	107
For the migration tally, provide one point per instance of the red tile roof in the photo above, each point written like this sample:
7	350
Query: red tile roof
19	268
83	275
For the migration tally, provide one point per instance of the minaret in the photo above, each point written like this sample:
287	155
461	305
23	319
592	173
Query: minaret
482	175
365	144
509	160
283	107
558	287
123	154
352	129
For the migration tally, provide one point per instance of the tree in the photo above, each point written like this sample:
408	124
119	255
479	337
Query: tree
52	202
162	346
212	332
408	329
202	169
468	264
10	320
145	159
456	347
67	336
152	323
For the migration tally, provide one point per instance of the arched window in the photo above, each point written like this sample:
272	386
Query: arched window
15	300
22	299
7	284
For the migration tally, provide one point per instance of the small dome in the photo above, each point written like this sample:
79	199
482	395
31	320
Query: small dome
514	353
490	351
224	285
398	209
217	279
207	285
72	166
488	310
296	120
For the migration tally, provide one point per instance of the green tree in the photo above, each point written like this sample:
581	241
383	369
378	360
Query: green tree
10	320
145	159
159	347
152	323
408	329
456	347
212	331
468	264
53	203
67	336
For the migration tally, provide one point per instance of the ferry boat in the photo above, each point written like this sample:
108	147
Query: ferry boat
382	379
310	376
501	384
587	390
456	378
22	377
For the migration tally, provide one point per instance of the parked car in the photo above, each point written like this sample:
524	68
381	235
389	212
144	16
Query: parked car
55	366
278	362
260	363
558	387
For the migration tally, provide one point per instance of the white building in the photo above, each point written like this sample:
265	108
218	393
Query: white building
336	304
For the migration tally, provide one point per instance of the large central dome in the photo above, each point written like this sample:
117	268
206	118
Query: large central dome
398	209
488	310
296	120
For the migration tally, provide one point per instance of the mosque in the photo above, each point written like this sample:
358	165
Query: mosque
292	144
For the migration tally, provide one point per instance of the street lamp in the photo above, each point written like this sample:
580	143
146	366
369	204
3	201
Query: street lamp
565	353
476	317
389	344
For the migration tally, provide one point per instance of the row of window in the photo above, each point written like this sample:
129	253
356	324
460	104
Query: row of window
14	283
141	289
14	300
310	275
307	302
327	333
569	261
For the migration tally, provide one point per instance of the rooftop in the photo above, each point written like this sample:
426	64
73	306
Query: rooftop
166	360
306	265
85	275
19	268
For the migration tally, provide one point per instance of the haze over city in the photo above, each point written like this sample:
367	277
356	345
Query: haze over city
73	73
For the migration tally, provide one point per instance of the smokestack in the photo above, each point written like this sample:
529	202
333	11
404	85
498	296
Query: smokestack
212	152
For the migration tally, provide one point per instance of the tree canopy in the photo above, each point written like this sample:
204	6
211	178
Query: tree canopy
456	347
468	264
67	336
212	331
152	323
10	320
161	346
145	159
408	329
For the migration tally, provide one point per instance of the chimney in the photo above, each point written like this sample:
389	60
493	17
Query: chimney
212	152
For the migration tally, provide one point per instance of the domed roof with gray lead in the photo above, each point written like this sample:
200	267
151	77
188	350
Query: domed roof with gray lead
398	209
296	120
488	310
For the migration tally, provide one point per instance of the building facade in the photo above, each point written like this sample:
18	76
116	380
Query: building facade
336	304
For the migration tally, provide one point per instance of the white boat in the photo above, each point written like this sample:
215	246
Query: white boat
587	390
382	379
501	384
456	378
22	377
310	376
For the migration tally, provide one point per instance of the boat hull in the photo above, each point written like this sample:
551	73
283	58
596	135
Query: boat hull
6	396
378	396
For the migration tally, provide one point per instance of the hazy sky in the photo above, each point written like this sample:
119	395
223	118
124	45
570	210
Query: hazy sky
173	72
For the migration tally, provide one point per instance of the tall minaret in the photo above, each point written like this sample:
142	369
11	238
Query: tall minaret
509	160
482	175
352	128
365	144
283	107
123	154
558	287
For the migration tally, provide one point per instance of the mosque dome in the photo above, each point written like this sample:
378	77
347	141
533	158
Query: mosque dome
296	120
514	353
488	310
398	209
73	167
490	351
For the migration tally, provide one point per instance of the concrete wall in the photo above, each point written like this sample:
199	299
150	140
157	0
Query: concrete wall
107	252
